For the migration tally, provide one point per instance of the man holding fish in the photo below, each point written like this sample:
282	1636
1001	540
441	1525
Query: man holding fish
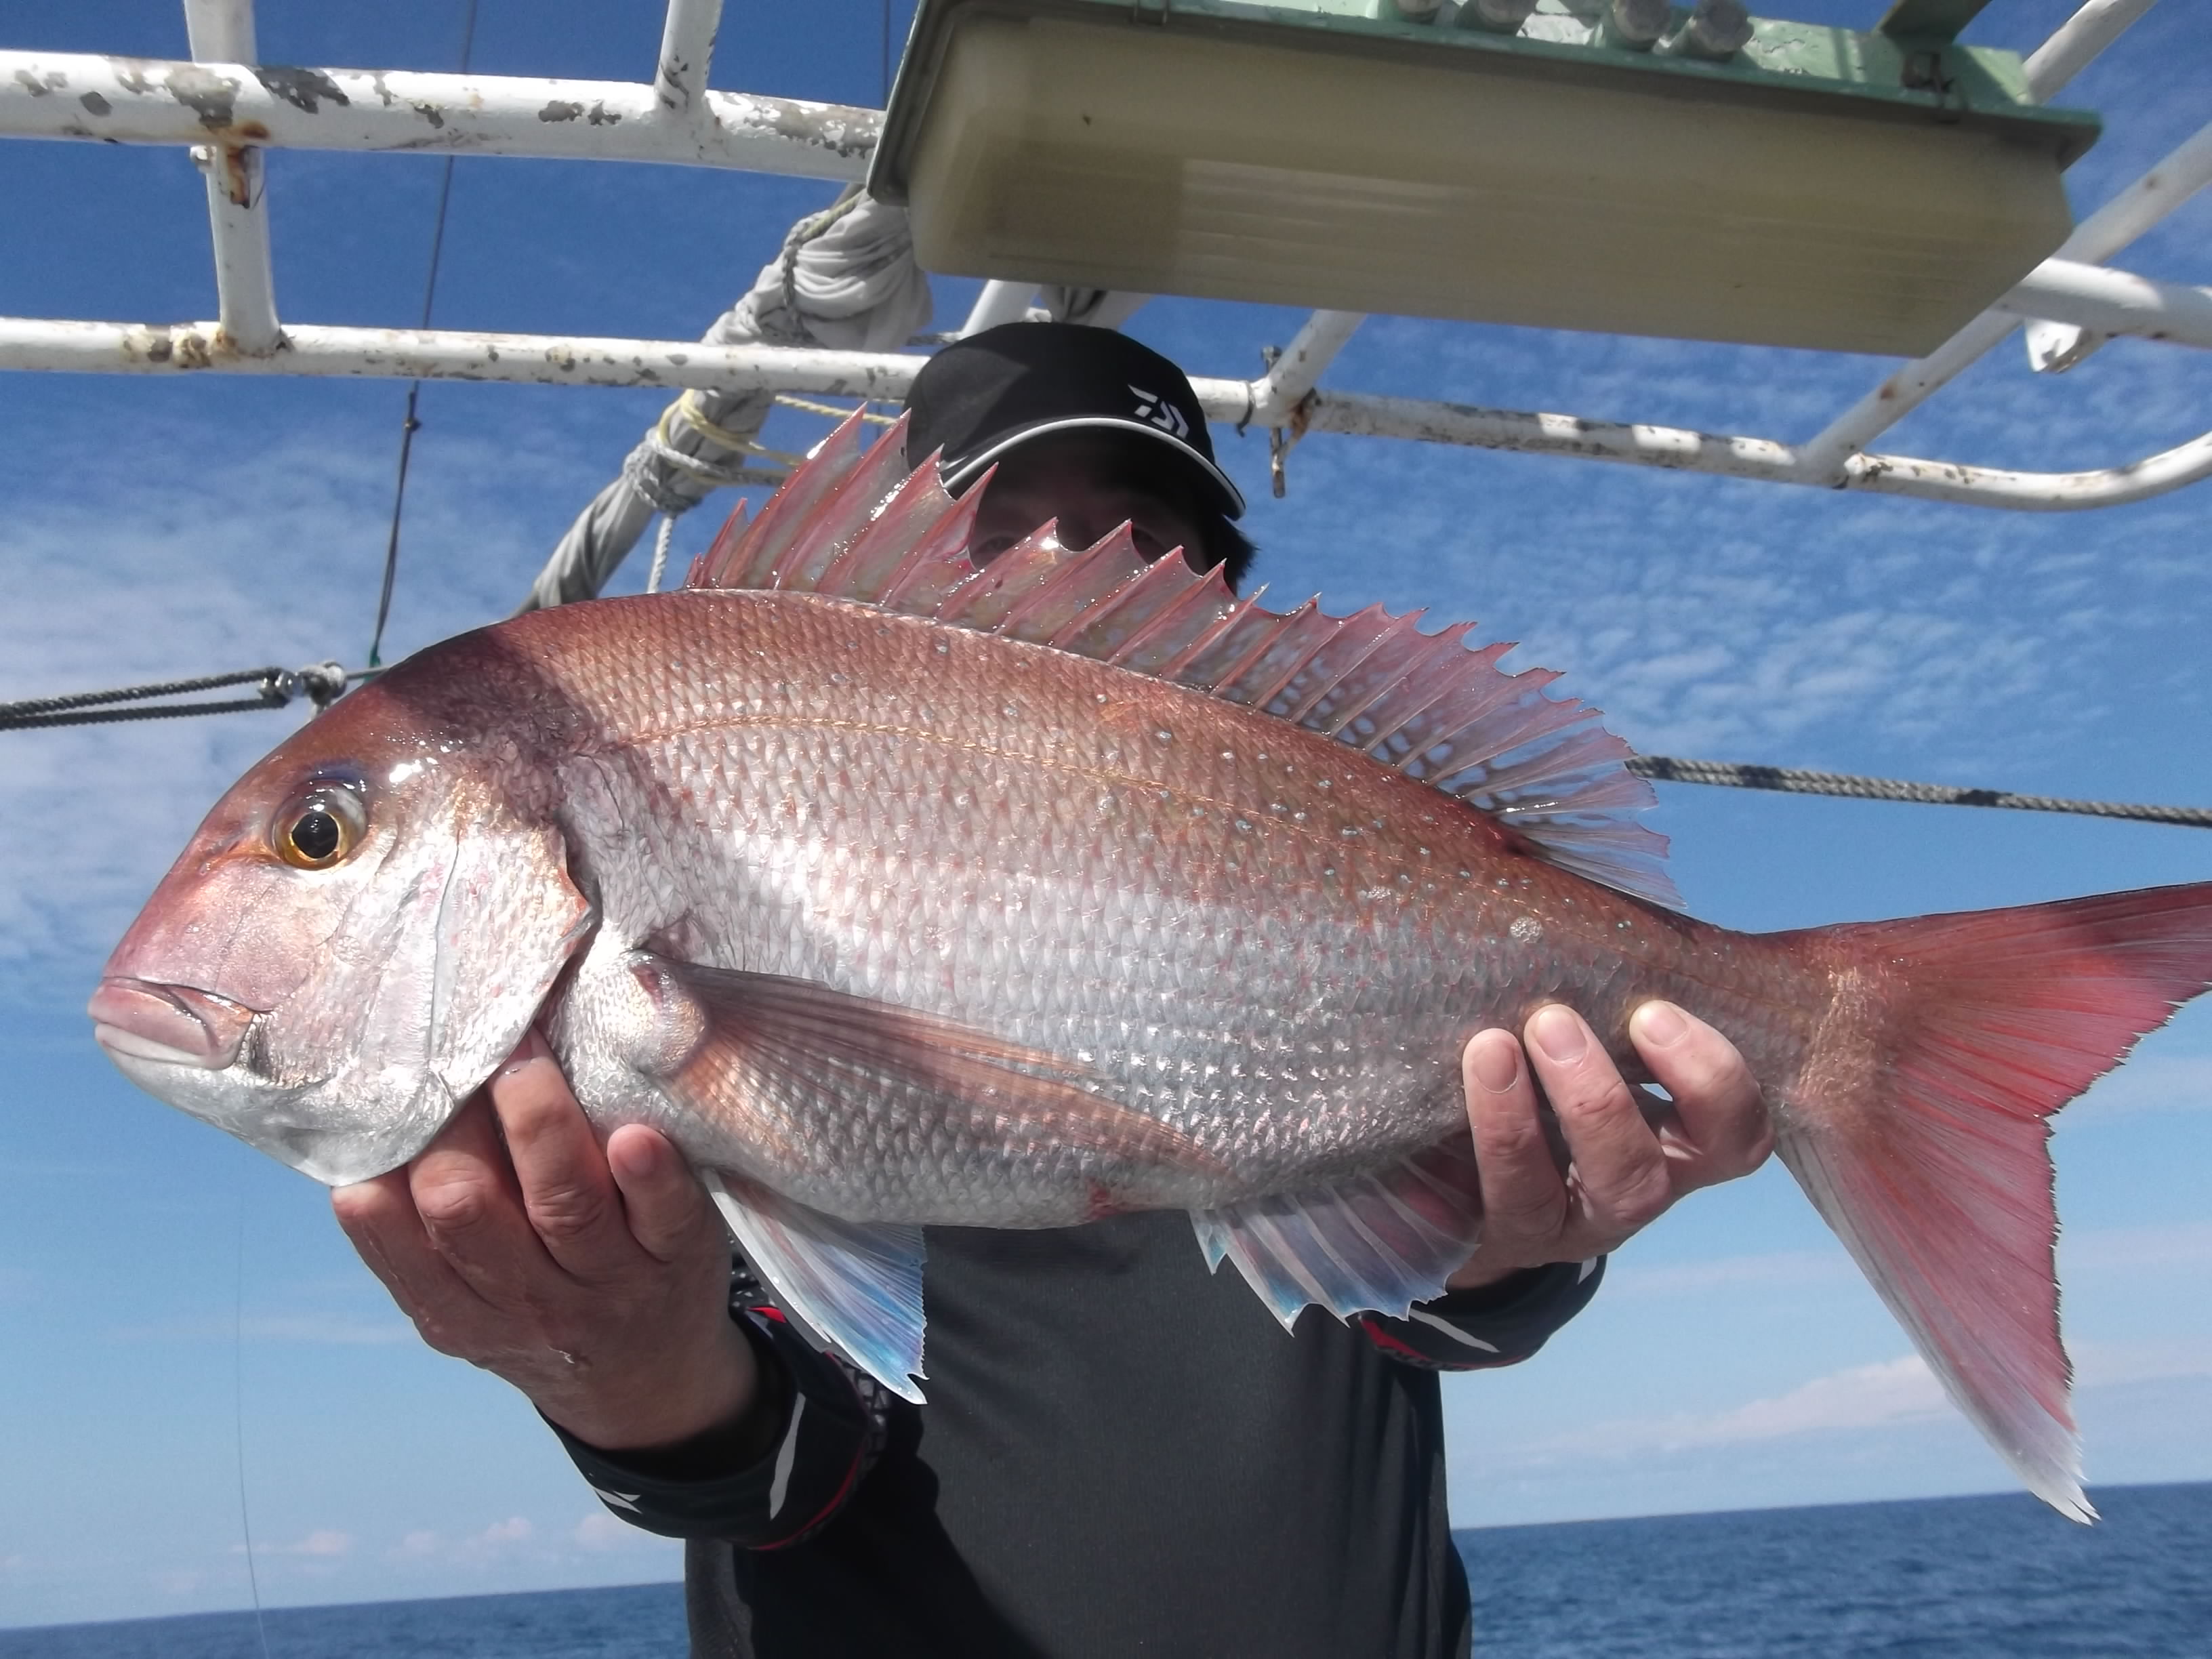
1121	1452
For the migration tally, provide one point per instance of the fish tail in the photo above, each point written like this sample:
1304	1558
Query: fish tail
1919	1126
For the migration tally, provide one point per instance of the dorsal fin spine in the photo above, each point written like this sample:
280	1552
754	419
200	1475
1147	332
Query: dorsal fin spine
1157	638
910	513
1104	572
1176	668
1356	637
1097	626
1301	621
791	510
1243	639
705	567
844	517
1138	609
944	547
846	525
986	598
1406	632
1414	693
1420	688
1459	716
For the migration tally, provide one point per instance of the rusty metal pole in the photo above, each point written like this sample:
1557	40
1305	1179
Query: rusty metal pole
687	48
221	32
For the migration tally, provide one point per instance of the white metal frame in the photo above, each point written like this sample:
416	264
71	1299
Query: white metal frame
227	112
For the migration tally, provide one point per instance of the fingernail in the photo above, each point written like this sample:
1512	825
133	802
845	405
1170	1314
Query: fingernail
1559	1033
533	1046
1495	1065
632	1156
1661	1024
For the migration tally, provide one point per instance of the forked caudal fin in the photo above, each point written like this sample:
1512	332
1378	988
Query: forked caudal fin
1919	1127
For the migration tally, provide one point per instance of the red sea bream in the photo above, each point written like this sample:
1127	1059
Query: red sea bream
901	893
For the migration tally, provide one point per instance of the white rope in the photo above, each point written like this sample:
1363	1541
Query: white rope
836	411
660	553
845	278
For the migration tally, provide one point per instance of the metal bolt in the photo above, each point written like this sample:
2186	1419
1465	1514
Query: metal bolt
1498	16
1716	31
1636	23
1720	27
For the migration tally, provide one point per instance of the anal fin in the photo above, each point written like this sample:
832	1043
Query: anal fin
1383	1241
858	1284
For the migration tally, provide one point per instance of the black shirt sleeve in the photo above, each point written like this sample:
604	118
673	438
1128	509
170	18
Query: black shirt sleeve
832	1418
1499	1324
830	1425
830	1422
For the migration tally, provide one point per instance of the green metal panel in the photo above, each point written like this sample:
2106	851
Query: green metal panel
1930	20
1824	188
1785	64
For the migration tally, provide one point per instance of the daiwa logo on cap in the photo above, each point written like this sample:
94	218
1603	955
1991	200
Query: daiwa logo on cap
1157	409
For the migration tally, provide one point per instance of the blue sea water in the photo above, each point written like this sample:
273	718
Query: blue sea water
1997	1577
1961	1577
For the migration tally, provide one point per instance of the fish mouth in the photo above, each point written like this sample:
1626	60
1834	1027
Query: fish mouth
172	1025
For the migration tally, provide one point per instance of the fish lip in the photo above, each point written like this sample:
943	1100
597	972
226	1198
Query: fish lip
173	1025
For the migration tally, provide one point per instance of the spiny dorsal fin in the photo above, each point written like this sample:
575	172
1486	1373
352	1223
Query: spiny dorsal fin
855	524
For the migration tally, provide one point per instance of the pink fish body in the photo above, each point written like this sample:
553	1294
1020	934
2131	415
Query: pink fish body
900	894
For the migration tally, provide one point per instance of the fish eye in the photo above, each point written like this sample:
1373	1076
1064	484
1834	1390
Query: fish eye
319	826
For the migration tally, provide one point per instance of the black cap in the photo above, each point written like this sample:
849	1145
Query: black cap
982	396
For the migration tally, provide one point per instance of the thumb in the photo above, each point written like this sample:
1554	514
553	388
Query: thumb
669	1213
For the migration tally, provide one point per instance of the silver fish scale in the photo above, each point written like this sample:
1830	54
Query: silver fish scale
1074	858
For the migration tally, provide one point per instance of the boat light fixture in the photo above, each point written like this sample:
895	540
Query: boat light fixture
1610	165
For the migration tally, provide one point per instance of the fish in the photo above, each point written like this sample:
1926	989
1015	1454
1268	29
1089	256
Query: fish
899	892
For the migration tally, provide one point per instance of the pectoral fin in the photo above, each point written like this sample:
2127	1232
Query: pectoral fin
760	1052
858	1284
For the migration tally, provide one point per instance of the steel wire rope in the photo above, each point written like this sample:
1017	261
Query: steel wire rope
326	682
323	682
238	1413
410	425
1800	781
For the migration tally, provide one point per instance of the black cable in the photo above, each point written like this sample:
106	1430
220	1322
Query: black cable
160	712
409	426
1796	781
276	688
326	682
136	693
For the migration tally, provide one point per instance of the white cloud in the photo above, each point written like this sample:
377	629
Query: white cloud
599	1531
1863	1396
182	570
501	1540
325	1543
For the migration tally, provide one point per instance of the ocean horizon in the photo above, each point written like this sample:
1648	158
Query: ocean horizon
1997	1575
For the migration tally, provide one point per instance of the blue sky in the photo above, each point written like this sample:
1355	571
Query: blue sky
174	1309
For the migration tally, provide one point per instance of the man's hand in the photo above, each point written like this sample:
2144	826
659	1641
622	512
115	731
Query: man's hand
1624	1168
595	1281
